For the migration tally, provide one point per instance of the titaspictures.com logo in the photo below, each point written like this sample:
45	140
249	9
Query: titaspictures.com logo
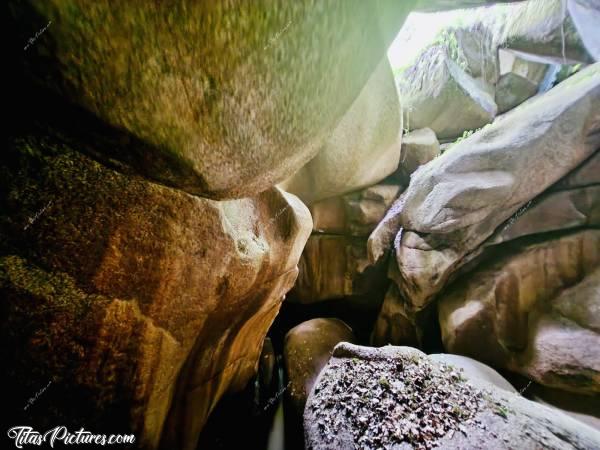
24	435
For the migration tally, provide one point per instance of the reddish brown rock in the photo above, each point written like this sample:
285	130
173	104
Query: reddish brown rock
144	304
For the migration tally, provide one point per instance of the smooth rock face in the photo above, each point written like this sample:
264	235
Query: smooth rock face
141	303
552	211
554	30
571	203
512	90
474	369
509	62
443	5
230	99
585	14
474	49
454	203
363	149
519	79
388	397
307	349
394	326
586	174
418	148
585	408
436	93
355	214
335	266
535	311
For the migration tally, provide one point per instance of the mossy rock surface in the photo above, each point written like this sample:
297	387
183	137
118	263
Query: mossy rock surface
141	304
398	397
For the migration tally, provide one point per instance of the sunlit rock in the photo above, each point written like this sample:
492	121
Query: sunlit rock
457	201
557	31
418	148
438	94
227	99
363	149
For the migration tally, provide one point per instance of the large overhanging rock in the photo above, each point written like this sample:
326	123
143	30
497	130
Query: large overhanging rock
457	201
398	397
437	93
444	5
556	31
552	211
140	303
585	175
550	31
229	98
573	202
363	149
534	311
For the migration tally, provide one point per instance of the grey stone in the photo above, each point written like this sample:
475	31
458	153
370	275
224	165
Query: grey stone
363	149
457	201
438	94
386	397
418	148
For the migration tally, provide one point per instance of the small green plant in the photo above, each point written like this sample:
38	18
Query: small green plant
447	38
461	378
459	412
502	411
383	382
466	134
